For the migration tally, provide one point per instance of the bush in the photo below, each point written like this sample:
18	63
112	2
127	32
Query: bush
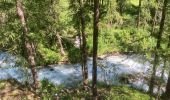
48	90
47	56
74	55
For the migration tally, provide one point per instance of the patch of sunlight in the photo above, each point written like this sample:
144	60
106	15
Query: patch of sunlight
135	2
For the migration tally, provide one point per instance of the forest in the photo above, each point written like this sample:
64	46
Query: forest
84	49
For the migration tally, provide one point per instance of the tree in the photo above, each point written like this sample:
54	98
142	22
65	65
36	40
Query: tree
167	95
154	17
84	43
95	47
29	45
79	18
157	48
55	19
121	6
167	91
139	13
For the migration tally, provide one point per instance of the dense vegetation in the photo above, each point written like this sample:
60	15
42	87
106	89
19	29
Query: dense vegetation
44	32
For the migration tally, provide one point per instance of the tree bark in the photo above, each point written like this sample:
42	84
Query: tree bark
162	77
167	91
59	43
29	45
95	47
154	19
121	4
159	39
139	13
84	48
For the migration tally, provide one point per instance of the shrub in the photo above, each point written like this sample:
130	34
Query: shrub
48	56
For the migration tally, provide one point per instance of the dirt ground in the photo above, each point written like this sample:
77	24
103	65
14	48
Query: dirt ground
11	91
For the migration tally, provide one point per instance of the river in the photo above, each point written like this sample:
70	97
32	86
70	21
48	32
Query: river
129	70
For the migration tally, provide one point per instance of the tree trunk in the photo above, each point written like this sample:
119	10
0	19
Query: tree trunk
159	38
29	46
121	4
59	43
162	77
152	81
95	47
167	92
154	18
139	13
84	49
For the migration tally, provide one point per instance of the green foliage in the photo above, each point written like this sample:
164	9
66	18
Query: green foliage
105	93
107	41
74	55
125	93
135	40
48	90
48	56
2	85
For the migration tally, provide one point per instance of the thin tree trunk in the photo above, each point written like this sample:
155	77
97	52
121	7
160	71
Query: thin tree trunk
84	49
95	47
159	39
59	43
121	6
152	81
154	18
167	91
29	46
139	13
162	77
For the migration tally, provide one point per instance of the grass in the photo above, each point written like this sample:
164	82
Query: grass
49	92
126	93
108	93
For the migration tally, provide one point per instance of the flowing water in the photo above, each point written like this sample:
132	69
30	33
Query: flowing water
129	70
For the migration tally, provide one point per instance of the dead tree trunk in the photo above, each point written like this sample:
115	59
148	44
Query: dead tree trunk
59	43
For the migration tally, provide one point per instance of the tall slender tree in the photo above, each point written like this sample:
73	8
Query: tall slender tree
95	47
154	17
80	24
84	43
29	45
158	46
167	92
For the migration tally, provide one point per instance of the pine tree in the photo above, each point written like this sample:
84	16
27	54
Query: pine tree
95	47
